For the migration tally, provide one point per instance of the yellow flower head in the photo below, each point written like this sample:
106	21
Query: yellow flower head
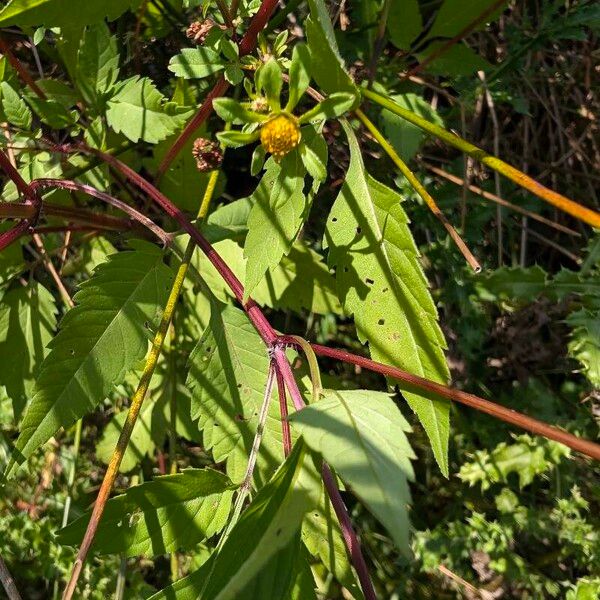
280	135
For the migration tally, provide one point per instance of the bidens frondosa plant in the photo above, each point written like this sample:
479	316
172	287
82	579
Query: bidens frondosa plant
156	259
279	130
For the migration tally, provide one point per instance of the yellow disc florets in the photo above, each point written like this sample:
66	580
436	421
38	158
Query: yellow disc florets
280	135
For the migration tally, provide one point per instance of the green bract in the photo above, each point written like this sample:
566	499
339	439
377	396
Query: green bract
264	108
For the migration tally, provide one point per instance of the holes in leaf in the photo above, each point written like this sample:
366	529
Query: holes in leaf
358	230
208	349
381	322
385	289
72	352
334	220
369	281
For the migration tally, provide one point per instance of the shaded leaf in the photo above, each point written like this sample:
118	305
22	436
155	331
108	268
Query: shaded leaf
227	379
196	63
361	434
99	341
381	282
27	324
169	513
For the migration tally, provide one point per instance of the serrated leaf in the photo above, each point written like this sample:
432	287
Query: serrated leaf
196	63
169	513
97	62
404	22
361	434
27	324
227	379
584	344
381	282
300	280
275	218
60	12
139	112
16	111
99	341
266	529
50	111
515	283
327	66
323	539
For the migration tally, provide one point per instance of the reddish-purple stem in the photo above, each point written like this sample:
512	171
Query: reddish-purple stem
348	533
497	411
119	204
10	236
350	537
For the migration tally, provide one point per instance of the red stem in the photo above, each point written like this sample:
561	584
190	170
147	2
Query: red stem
20	69
246	46
497	411
350	537
10	236
119	204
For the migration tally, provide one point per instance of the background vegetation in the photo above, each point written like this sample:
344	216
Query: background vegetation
518	515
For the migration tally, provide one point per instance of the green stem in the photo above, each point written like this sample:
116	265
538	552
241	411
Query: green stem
551	197
313	365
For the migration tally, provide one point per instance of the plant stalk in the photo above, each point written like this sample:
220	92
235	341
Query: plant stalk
136	401
557	200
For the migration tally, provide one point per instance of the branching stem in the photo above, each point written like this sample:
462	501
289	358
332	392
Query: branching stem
550	196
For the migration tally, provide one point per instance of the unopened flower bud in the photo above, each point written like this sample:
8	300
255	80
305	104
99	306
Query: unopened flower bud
208	155
259	105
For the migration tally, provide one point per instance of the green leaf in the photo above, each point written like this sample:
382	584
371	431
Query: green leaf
27	324
327	66
196	63
275	218
227	379
99	341
231	110
404	22
16	111
455	15
404	136
455	61
335	105
169	513
62	12
141	443
527	457
512	283
235	139
584	344
269	79
323	539
266	529
97	62
299	75
361	434
381	282
50	111
313	151
138	111
300	281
